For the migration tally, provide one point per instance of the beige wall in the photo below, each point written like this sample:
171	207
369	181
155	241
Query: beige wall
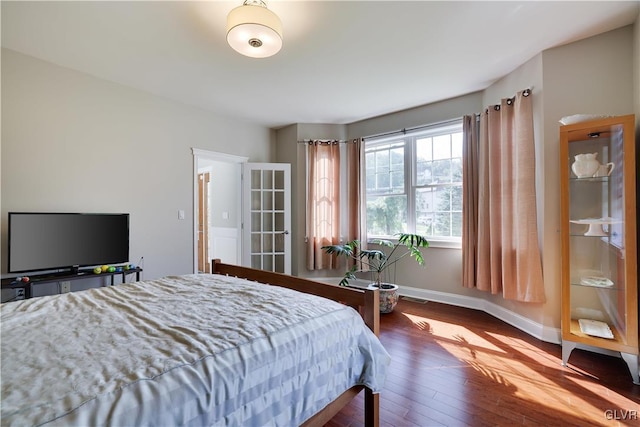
72	142
592	76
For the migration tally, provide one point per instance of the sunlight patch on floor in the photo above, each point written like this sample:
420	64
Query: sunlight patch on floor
444	331
514	363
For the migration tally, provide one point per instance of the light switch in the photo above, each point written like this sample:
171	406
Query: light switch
180	214
225	215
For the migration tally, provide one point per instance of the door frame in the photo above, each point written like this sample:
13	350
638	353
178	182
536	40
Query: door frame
218	157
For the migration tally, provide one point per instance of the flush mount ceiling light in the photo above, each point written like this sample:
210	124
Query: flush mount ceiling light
253	30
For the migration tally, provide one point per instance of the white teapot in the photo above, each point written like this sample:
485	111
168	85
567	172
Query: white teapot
585	165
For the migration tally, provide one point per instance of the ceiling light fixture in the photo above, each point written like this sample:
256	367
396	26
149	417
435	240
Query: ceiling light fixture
253	30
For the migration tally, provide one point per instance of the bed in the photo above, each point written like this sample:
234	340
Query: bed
200	349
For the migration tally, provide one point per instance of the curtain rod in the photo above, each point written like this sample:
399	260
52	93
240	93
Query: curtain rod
411	129
526	92
326	141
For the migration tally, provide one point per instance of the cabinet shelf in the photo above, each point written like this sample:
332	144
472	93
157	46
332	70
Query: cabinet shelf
614	343
598	179
599	238
601	288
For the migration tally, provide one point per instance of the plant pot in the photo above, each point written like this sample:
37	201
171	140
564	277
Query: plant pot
388	296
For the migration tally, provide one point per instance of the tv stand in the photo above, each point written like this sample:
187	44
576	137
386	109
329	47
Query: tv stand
65	276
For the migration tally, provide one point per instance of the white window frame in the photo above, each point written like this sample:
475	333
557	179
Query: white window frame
410	184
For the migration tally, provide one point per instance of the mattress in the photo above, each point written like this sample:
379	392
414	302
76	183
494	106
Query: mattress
183	350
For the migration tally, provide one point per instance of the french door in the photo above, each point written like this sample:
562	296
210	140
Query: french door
266	207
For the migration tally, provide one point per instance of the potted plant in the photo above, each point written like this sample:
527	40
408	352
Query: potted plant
378	262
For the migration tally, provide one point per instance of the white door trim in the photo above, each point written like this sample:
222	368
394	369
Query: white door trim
220	157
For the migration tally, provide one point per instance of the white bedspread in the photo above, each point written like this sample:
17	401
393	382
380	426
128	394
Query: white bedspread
185	350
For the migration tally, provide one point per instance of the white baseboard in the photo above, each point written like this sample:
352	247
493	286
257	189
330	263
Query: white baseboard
535	329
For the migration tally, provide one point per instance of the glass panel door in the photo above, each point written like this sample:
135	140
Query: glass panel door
268	220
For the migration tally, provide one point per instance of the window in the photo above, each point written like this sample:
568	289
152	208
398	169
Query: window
414	183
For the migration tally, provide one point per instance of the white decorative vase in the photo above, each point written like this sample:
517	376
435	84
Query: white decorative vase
388	296
585	165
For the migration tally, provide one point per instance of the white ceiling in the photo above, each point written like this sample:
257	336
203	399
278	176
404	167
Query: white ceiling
341	61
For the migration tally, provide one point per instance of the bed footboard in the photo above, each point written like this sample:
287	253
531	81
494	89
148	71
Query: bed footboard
367	301
368	304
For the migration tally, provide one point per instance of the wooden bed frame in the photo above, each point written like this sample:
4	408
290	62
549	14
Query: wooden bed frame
367	303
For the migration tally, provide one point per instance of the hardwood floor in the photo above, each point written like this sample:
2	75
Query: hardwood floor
459	367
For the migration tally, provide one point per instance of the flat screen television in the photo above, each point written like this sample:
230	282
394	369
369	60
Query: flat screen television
66	241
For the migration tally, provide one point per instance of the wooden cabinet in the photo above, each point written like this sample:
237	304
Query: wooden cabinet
599	240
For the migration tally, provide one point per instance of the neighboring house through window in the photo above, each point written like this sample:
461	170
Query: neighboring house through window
414	183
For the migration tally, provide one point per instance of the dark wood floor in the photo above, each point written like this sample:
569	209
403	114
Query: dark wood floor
459	367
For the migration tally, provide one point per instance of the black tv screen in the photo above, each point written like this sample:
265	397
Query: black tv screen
49	241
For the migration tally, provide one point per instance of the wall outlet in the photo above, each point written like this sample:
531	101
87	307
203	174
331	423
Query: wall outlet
65	287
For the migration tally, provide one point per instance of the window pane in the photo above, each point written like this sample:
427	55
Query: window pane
397	158
442	197
423	173
424	224
385	170
397	181
442	224
456	223
456	198
370	162
456	170
456	144
441	171
386	215
382	181
371	181
442	147
382	161
424	200
424	148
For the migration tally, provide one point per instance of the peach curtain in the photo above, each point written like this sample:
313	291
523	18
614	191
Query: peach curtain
323	204
469	200
356	211
507	253
325	193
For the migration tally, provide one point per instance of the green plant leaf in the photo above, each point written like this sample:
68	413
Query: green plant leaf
372	254
414	240
349	275
415	252
345	250
381	242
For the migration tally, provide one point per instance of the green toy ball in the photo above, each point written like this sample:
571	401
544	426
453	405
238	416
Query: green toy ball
97	270
111	269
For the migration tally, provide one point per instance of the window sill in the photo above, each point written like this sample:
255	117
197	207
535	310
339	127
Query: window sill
447	244
433	243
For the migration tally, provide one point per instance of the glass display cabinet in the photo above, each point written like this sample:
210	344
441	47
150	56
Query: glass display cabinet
599	240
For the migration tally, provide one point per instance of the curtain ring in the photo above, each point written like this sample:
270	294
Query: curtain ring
509	101
496	107
526	92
